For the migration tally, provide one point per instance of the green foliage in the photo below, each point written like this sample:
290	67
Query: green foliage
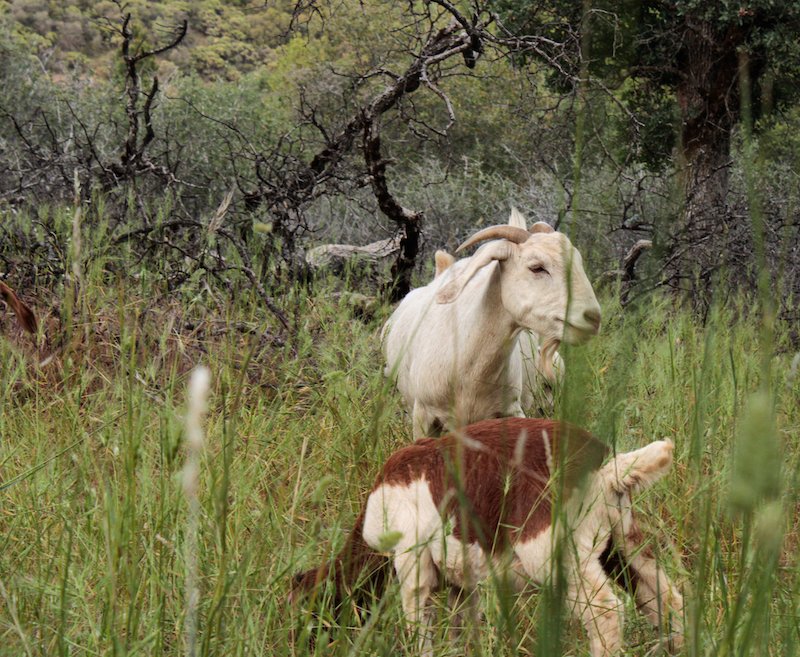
644	52
779	139
228	39
655	141
93	541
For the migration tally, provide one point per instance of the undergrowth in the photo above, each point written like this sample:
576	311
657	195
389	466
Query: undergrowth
93	518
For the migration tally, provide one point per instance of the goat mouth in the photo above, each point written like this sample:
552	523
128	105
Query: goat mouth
575	334
591	329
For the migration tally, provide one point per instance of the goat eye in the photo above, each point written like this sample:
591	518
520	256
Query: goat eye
538	269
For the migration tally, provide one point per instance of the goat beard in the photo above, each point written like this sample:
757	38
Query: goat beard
547	353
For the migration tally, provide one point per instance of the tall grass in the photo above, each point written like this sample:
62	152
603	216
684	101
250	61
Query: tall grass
93	541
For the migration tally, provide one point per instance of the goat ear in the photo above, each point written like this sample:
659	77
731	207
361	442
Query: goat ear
500	250
517	219
541	227
443	260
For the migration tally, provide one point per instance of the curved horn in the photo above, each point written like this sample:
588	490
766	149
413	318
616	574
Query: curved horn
541	227
503	231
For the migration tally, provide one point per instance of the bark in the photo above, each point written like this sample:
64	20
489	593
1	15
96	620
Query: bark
408	221
708	102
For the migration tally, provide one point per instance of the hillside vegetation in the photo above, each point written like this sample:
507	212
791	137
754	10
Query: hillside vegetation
227	39
161	185
94	518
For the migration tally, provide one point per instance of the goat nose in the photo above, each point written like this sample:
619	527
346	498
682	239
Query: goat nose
593	317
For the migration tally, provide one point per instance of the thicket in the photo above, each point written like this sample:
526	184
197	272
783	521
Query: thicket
330	133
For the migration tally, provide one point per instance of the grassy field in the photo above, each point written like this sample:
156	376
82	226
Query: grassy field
93	518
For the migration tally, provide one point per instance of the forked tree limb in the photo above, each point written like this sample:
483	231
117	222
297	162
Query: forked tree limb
408	221
301	184
139	116
632	257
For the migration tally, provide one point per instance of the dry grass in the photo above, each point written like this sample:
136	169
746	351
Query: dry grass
93	520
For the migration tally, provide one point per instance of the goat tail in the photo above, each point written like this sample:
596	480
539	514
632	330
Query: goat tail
25	316
357	572
634	471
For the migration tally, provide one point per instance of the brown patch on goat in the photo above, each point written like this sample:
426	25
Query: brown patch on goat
25	316
487	483
357	572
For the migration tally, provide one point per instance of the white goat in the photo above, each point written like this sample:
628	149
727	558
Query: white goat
452	345
539	379
510	497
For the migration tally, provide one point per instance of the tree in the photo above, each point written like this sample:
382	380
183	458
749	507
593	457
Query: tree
288	178
677	66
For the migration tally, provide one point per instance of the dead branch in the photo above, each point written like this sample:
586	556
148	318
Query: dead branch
408	221
626	275
286	184
134	158
632	257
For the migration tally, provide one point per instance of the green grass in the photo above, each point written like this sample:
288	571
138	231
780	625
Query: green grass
92	558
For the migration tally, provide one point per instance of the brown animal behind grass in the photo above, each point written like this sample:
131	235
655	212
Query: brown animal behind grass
25	316
169	341
449	511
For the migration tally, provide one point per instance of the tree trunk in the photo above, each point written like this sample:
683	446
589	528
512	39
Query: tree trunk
708	102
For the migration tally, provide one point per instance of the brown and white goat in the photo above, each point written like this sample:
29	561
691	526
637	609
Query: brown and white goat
484	501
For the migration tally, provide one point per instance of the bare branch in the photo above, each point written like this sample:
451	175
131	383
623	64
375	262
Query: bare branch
408	221
179	36
632	257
